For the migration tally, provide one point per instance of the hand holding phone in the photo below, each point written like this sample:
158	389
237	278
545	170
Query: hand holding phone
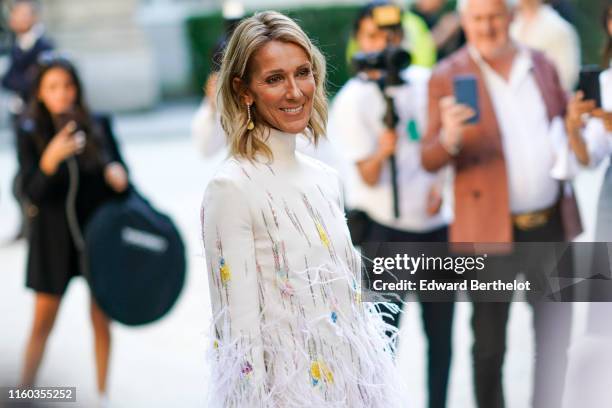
466	93
69	120
577	109
589	84
80	141
454	119
63	145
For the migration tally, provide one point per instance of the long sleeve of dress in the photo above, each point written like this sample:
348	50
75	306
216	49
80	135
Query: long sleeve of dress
111	146
36	185
233	275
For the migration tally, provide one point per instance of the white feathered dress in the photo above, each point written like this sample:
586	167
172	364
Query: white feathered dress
289	327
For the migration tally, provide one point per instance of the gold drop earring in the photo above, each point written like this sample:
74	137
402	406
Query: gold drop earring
250	124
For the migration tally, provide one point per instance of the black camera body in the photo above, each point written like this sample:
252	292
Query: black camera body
392	60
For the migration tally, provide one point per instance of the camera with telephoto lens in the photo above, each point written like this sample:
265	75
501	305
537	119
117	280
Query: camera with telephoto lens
392	60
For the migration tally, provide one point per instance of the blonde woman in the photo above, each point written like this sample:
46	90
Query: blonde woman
290	329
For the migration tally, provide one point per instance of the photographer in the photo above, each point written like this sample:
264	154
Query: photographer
381	156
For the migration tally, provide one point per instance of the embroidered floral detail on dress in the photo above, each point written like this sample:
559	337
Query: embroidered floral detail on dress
319	372
357	291
322	234
334	317
247	370
224	272
286	288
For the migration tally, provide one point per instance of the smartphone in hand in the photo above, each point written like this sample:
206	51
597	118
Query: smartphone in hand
78	133
589	83
466	93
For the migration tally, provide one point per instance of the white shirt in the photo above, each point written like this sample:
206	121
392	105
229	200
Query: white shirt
27	40
355	125
527	136
597	138
284	283
549	33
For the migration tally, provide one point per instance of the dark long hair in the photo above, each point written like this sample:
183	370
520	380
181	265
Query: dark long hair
607	54
44	125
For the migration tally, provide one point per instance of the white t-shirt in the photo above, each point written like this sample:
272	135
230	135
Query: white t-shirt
355	124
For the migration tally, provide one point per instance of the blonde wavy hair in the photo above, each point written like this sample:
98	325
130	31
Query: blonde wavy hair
249	37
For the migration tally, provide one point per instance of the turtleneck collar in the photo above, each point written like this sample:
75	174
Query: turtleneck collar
282	146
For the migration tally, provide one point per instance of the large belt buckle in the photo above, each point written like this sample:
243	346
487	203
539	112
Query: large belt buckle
529	221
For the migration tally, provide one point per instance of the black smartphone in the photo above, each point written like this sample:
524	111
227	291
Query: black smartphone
64	118
78	133
589	83
466	93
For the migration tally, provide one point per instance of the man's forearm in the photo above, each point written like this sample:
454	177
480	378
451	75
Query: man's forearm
434	155
578	146
371	168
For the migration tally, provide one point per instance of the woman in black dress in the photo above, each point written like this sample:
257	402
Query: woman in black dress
70	165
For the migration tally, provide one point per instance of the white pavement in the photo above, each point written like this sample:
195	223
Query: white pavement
163	364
